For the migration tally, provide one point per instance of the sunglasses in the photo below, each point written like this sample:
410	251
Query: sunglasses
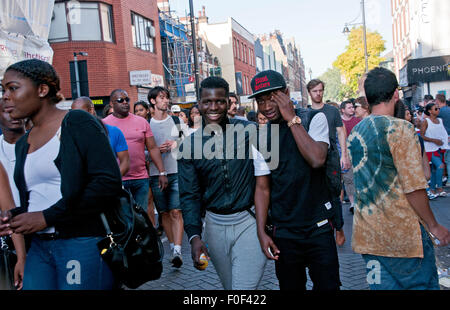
121	100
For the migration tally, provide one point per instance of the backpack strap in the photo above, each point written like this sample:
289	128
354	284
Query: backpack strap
176	120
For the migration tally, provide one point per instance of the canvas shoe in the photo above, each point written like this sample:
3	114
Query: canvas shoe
176	260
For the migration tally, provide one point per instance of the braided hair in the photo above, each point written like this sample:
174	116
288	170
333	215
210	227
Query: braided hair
40	72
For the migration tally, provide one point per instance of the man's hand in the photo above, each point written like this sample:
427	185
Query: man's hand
163	182
345	163
268	246
28	223
441	233
197	248
284	104
340	237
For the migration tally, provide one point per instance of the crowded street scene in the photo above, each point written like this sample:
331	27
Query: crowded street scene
198	146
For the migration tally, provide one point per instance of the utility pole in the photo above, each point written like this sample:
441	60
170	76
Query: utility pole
364	36
194	49
77	75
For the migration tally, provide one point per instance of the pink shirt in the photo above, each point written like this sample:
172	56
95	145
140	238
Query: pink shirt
135	129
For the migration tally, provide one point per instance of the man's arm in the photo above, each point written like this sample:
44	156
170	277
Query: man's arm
342	137
420	203
405	150
124	160
190	203
262	199
155	155
315	153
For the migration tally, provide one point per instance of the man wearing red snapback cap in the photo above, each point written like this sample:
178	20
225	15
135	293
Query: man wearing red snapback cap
296	191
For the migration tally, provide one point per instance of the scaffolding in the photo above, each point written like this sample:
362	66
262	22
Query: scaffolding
177	55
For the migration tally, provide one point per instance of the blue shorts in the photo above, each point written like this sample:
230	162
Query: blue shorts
139	189
169	199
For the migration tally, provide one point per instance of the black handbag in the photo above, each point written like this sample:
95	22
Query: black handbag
7	264
132	248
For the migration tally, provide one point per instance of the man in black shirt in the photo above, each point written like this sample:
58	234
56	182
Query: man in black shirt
296	191
336	129
224	185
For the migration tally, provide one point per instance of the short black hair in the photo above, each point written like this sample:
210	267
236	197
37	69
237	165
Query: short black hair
344	104
215	82
428	107
115	91
154	92
380	85
40	72
428	97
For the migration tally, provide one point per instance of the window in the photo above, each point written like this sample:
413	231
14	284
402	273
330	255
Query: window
238	50
83	21
143	33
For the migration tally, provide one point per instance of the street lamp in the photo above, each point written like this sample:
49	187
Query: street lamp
77	76
347	31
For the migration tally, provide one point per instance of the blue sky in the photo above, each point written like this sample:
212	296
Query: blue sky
316	25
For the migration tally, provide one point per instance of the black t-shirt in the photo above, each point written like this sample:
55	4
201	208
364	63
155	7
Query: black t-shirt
334	120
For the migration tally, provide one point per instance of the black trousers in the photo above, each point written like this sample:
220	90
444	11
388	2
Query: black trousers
318	254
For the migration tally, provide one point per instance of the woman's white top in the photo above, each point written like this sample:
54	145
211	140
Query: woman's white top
43	178
8	159
436	131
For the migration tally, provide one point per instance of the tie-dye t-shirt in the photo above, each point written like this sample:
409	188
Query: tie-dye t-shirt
386	159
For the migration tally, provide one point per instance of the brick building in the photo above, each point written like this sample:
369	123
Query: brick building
233	45
123	43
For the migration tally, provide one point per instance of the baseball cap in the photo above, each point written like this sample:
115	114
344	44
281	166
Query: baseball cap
175	108
266	81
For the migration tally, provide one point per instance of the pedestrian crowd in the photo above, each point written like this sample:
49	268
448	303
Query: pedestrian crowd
245	187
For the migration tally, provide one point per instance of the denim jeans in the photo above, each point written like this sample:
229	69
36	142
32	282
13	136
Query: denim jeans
66	264
436	172
397	273
139	190
169	199
447	162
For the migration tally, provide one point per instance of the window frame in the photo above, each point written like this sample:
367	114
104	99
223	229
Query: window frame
102	39
136	37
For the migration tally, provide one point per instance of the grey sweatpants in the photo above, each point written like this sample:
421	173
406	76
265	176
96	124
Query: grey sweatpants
235	252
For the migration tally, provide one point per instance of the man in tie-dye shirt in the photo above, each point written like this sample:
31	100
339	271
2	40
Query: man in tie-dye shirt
393	220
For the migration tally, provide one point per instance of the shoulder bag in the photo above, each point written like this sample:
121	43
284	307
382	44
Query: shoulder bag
132	248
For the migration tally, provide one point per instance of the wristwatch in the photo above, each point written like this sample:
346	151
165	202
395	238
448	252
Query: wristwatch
295	120
164	173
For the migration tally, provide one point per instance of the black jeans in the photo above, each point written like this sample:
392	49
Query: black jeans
318	253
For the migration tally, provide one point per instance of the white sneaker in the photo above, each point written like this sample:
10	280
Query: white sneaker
176	260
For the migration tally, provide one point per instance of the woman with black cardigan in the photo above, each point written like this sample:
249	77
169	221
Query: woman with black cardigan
67	175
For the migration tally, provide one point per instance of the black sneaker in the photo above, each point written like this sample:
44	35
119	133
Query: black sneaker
176	260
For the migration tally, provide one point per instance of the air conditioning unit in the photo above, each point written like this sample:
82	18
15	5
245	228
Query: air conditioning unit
151	32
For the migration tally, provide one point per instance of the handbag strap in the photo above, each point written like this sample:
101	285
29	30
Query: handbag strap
4	245
105	223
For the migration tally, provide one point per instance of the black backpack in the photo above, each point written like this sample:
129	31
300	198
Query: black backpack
333	162
132	248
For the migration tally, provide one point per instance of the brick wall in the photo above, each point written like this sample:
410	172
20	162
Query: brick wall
244	64
109	63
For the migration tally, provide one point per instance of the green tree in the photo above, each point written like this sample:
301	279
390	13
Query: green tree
332	80
351	63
